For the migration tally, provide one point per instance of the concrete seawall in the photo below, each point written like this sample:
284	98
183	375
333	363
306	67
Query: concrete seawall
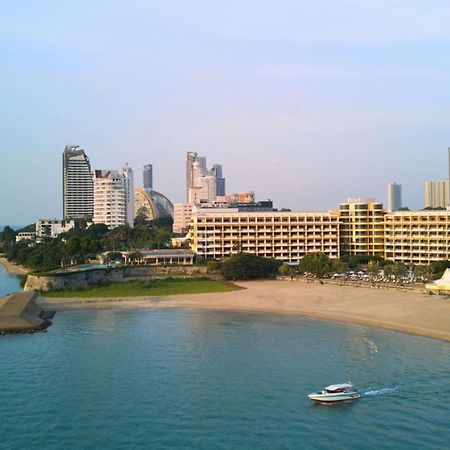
19	313
86	278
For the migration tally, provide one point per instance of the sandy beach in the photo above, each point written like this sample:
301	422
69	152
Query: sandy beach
405	311
12	268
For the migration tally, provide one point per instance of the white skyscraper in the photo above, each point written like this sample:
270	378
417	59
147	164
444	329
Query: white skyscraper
114	197
436	194
128	175
394	196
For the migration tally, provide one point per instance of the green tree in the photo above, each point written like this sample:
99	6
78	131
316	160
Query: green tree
439	267
316	263
245	266
425	272
339	266
399	269
7	238
213	266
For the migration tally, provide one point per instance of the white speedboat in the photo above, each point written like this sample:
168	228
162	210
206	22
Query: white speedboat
335	393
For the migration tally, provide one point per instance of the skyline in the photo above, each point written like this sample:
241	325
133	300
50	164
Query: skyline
302	107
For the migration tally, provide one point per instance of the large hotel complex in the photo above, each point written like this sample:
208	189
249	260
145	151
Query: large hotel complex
359	227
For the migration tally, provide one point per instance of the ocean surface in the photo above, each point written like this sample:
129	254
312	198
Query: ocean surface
196	379
9	283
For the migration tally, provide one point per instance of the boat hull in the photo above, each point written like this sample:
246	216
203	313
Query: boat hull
334	398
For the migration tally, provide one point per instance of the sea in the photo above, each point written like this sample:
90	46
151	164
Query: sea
202	379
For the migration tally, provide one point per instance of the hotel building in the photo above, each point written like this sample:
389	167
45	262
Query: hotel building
78	190
417	237
114	197
285	236
361	227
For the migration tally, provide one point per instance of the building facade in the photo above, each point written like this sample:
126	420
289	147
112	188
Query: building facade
220	180
78	188
285	236
182	213
241	197
361	227
394	192
203	185
147	176
52	228
114	197
154	203
417	237
436	194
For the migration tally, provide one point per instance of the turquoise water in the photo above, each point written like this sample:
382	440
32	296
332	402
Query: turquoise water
195	379
8	283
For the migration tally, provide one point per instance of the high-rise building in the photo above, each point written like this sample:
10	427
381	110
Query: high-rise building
436	194
128	175
394	196
78	189
190	160
201	183
220	181
148	176
114	197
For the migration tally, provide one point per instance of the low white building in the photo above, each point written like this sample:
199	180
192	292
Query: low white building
26	235
52	228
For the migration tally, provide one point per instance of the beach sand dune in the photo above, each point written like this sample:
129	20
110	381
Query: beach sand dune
405	311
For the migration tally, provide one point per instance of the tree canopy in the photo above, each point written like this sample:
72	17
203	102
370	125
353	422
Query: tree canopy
316	263
81	244
246	266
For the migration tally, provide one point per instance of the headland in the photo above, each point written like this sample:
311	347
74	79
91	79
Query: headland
401	310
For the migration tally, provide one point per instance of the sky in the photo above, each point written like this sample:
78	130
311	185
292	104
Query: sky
305	103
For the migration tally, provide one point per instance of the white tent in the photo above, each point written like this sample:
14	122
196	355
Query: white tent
442	284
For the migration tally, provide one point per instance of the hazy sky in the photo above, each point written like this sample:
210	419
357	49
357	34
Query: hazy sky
304	102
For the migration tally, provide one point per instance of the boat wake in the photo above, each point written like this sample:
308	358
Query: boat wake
377	392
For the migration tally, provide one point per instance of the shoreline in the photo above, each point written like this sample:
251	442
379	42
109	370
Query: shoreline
403	311
12	268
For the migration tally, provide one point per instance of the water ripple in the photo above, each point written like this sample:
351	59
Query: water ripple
133	379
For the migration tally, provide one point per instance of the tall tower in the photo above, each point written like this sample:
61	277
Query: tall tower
191	157
148	176
78	188
394	196
128	182
220	181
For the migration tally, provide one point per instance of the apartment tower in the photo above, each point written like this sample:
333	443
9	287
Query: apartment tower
78	189
394	196
148	176
114	197
436	194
